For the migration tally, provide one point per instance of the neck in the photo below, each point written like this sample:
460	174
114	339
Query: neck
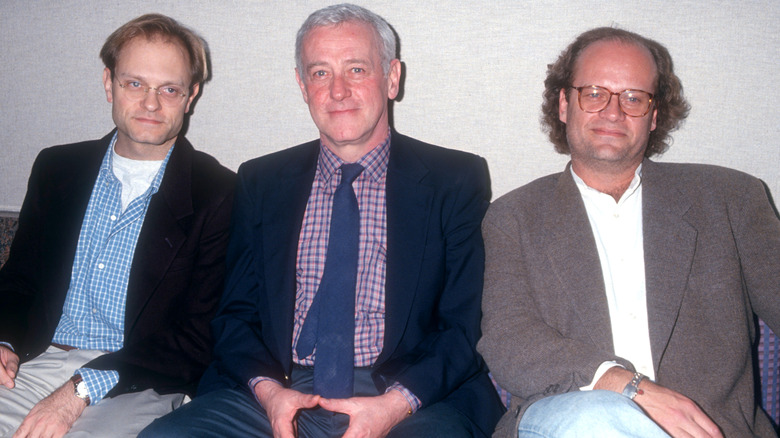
142	152
613	182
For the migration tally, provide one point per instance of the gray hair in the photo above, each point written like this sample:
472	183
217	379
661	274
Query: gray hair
342	13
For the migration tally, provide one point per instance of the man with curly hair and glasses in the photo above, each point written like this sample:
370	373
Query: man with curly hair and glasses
620	294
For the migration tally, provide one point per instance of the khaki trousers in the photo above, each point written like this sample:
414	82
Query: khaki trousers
122	416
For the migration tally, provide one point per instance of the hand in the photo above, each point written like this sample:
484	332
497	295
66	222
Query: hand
282	405
678	415
9	365
370	416
54	415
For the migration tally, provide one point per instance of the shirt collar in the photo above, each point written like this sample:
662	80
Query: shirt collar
632	187
374	163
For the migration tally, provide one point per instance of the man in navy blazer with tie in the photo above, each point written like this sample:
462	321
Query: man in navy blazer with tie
417	300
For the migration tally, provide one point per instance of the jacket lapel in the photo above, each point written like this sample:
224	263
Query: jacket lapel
409	203
669	245
164	231
284	205
573	256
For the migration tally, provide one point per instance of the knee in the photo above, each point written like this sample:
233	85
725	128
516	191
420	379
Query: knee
586	413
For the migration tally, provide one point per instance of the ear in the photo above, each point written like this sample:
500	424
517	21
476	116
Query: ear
195	90
652	124
393	79
302	85
563	105
107	84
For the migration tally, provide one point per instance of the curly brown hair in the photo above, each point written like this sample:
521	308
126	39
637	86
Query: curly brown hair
669	100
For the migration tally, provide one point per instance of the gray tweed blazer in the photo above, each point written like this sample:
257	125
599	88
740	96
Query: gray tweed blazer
712	262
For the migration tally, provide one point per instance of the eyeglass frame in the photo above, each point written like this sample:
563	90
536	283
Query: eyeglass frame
146	89
612	93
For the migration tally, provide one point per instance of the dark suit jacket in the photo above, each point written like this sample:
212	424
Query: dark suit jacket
712	261
176	277
436	199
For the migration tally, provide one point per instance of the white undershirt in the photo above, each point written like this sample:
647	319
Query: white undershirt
617	229
135	175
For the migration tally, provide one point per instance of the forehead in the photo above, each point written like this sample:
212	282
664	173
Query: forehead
616	65
155	54
347	39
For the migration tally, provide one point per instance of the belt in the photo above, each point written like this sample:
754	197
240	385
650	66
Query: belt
63	347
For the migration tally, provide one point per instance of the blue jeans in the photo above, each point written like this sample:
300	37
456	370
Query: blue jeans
236	413
583	414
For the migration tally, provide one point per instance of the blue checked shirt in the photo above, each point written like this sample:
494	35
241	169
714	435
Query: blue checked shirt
313	247
93	316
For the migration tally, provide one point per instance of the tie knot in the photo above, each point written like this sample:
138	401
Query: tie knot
349	172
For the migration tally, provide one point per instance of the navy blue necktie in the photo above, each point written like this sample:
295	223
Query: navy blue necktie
330	323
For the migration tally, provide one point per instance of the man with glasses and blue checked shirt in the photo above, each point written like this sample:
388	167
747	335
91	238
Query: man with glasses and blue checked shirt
620	294
118	263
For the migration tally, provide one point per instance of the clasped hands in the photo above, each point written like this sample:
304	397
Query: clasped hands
368	416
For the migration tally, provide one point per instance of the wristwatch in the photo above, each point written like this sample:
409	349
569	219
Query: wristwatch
632	388
80	388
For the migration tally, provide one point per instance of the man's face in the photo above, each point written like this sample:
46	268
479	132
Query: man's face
609	139
148	125
345	87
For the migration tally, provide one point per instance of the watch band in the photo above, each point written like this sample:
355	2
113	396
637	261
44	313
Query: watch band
632	388
80	388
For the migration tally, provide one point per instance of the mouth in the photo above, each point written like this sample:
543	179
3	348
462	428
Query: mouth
148	121
607	132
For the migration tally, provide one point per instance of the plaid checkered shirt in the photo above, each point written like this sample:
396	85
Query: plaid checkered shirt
93	316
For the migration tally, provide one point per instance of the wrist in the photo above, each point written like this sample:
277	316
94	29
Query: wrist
80	389
631	390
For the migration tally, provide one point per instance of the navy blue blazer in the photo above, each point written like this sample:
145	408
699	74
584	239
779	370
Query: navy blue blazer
176	276
436	199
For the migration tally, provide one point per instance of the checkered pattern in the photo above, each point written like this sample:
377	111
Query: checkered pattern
93	316
313	247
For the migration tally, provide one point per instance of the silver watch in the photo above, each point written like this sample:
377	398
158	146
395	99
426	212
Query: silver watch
80	388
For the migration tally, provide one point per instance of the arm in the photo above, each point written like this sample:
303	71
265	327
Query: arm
522	299
240	351
443	328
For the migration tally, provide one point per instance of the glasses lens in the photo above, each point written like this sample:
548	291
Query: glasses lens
168	94
634	102
593	99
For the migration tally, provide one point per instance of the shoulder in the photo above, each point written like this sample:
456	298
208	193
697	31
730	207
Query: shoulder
208	177
529	199
700	180
279	162
75	152
432	156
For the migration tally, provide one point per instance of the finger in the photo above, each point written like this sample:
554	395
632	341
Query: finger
7	378
334	405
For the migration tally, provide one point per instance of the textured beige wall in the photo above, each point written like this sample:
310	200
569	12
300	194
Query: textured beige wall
474	73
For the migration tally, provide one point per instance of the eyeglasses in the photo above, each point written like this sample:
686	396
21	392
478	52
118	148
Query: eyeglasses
169	94
633	103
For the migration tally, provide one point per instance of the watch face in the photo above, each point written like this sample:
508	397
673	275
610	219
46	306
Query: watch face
81	390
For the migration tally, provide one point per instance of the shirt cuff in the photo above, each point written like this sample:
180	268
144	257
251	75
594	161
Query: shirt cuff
255	380
414	402
98	382
603	368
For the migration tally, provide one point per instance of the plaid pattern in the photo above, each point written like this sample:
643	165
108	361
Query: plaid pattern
93	316
313	247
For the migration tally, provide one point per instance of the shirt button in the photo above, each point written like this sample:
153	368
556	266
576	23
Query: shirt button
101	266
113	217
94	310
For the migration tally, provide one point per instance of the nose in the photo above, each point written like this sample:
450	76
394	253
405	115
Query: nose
151	100
339	88
613	111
